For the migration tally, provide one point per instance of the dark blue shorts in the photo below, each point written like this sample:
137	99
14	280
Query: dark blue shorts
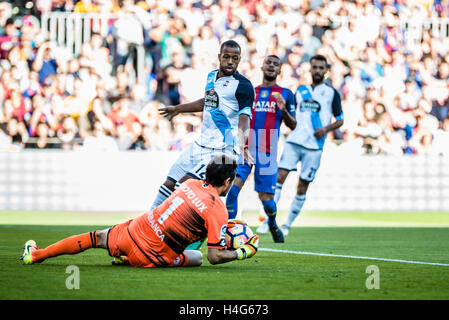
265	173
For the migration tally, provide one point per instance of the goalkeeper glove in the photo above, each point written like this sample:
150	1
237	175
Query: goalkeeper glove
248	249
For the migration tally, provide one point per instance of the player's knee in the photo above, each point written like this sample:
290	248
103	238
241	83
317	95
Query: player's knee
102	236
195	258
282	175
265	196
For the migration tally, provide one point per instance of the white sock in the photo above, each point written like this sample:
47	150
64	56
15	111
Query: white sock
277	193
295	208
161	196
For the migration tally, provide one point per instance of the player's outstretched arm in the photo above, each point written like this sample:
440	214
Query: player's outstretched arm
249	249
171	111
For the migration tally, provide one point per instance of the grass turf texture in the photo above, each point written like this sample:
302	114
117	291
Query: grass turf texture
268	275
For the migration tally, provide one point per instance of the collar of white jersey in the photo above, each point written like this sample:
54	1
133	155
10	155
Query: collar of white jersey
225	77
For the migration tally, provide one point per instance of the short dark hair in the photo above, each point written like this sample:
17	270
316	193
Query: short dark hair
230	44
273	56
219	169
319	57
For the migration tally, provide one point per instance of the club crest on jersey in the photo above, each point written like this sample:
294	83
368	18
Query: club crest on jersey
310	105
223	231
211	98
264	94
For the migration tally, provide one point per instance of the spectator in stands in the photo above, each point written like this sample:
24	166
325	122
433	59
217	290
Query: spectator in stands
17	105
185	132
45	63
97	113
9	38
96	56
5	14
17	131
391	83
138	98
85	6
172	78
42	112
100	140
205	46
77	105
122	116
192	90
68	134
129	32
16	64
171	36
121	88
441	138
42	140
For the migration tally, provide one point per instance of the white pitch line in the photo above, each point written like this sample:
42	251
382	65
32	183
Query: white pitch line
353	257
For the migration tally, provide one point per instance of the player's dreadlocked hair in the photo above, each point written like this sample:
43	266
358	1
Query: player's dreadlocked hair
219	169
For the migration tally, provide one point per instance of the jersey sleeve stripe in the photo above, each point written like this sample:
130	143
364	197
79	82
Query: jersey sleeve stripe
218	245
336	105
247	111
245	93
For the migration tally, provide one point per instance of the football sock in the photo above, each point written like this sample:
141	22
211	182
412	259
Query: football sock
295	208
181	261
70	245
277	193
232	201
270	209
161	196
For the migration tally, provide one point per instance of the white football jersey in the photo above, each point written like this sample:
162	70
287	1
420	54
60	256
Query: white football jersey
315	108
225	99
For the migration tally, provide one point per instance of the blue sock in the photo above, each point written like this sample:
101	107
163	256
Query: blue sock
232	201
270	209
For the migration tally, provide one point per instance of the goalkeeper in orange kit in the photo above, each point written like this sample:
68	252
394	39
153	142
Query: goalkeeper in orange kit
158	238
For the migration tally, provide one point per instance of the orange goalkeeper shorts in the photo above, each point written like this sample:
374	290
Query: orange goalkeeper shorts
120	243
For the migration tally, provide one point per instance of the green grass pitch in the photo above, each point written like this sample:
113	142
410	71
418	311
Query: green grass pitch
284	275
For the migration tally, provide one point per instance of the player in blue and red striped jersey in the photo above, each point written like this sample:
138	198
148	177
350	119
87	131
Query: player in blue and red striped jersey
272	105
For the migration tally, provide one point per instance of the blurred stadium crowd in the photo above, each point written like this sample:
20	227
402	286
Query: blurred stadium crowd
395	93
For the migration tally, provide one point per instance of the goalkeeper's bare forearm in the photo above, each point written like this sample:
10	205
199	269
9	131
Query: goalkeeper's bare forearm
217	256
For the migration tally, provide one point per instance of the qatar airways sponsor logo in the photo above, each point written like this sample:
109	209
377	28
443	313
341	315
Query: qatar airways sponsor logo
265	106
196	201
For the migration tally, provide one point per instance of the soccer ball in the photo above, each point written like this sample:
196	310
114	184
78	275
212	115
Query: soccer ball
237	235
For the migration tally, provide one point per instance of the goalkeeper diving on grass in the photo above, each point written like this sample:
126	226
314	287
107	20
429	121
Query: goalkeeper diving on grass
158	238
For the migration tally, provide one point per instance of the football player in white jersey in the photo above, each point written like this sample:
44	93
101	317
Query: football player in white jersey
316	107
226	108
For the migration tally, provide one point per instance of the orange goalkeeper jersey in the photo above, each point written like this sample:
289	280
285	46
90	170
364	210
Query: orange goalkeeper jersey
193	212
